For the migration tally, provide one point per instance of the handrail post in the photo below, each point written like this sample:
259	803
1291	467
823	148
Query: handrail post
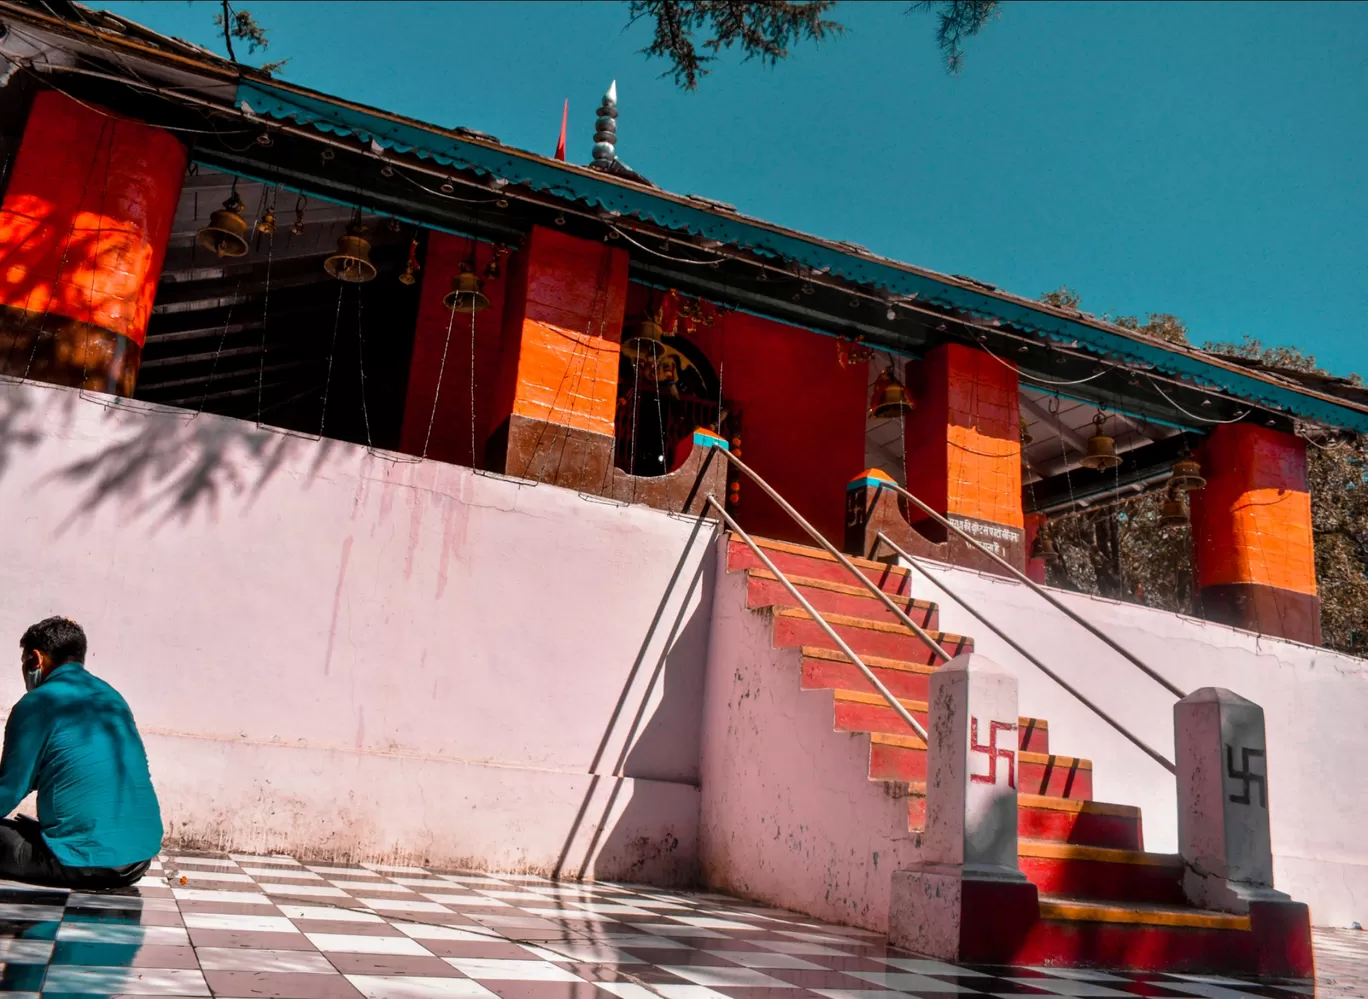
868	673
1039	590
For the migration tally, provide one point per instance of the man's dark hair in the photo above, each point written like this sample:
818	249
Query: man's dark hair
61	639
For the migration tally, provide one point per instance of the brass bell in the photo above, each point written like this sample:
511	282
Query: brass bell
1187	474
889	398
1101	449
1173	512
267	224
351	262
409	275
1043	547
226	233
465	294
645	339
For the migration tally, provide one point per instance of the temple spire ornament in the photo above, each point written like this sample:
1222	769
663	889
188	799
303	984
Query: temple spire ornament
605	130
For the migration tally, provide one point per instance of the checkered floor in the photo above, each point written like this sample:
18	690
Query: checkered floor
240	926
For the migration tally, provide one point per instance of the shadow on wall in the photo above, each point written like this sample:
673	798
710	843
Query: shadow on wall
163	464
617	846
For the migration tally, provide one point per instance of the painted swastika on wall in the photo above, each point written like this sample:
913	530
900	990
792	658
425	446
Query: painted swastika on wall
1246	775
993	751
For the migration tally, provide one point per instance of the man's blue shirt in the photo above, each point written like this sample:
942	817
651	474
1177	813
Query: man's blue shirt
73	738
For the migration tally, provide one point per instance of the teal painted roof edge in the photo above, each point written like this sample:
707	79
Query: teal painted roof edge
674	212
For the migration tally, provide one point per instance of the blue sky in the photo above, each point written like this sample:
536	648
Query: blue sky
1202	159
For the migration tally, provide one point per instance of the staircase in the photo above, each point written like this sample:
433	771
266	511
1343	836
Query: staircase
1103	900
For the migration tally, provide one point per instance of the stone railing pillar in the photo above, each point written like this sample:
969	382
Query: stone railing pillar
967	893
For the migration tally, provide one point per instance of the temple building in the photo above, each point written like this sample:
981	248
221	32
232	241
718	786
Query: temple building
433	499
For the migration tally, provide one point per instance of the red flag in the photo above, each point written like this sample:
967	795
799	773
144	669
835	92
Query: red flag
560	146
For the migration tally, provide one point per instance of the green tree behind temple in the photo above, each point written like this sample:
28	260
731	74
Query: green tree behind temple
1121	551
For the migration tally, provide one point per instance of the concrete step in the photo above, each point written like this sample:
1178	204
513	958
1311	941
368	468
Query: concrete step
794	628
814	563
1101	873
1085	823
763	589
1054	776
830	669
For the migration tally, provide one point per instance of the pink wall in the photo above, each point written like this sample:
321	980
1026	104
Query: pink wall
341	655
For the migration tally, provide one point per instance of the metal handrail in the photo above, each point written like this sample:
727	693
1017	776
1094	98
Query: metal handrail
1038	589
868	673
840	556
1154	754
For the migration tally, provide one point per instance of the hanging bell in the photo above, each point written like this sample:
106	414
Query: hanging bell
1173	512
889	398
465	294
297	228
351	262
1101	449
226	233
1026	437
1187	475
644	339
267	224
409	275
1043	547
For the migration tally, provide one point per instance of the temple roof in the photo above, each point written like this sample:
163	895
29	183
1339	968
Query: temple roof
695	243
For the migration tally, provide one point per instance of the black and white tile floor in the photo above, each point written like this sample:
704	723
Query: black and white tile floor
243	926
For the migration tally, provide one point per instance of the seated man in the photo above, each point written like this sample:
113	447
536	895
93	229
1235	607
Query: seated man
72	738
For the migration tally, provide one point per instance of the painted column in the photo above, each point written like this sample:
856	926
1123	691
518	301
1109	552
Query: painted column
964	450
557	388
1221	754
1253	553
967	895
83	231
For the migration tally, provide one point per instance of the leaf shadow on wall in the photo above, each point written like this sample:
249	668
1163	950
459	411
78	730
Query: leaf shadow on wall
160	465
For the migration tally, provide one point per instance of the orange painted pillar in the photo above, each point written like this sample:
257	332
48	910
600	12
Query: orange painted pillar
964	449
1253	553
83	232
556	399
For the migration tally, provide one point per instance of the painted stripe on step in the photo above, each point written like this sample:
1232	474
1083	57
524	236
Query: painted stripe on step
1052	850
879	662
848	589
860	697
1046	760
819	553
869	624
1142	915
1074	805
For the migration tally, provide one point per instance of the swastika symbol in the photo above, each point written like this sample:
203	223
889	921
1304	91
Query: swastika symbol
992	751
1246	775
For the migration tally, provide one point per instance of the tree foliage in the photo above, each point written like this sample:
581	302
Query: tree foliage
768	29
957	20
240	24
1121	551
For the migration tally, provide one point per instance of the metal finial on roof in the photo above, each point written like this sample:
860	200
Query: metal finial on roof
605	129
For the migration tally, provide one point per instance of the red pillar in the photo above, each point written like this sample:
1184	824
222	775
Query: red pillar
802	421
83	232
443	430
556	394
964	447
1253	552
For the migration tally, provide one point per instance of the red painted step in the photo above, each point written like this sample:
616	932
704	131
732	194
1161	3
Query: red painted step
793	627
1102	874
829	669
1054	776
857	711
1085	823
1034	735
798	560
763	589
903	758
